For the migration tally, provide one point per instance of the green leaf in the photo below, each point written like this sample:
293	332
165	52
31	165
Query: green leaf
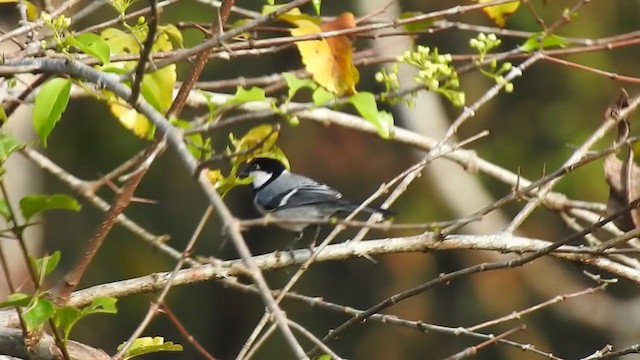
224	184
533	42
157	88
366	105
294	84
8	144
269	8
50	103
120	42
173	34
33	204
45	265
148	345
257	141
38	313
324	357
91	44
3	115
416	25
243	96
101	305
15	300
199	147
65	318
316	5
4	210
322	97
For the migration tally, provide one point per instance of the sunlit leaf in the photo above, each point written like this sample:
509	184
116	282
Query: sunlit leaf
416	26
131	119
224	184
4	210
294	84
258	140
38	313
548	41
3	115
156	87
328	60
50	103
499	13
15	300
243	96
366	105
120	42
45	265
65	318
33	204
148	345
322	97
173	34
101	305
8	144
32	10
199	147
317	4
270	7
91	44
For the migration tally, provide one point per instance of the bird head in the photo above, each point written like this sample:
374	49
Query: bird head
263	170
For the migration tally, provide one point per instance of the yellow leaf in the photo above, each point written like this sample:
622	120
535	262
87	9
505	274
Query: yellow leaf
32	10
499	13
328	60
131	119
156	87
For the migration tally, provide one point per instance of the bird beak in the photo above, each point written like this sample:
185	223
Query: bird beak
244	173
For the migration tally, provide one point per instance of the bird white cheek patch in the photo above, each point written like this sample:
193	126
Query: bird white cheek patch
259	178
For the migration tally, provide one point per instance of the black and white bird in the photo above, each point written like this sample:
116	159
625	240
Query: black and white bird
289	196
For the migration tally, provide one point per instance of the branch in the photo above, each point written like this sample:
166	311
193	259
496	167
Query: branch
12	343
503	243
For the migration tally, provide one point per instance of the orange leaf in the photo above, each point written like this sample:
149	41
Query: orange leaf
328	60
499	13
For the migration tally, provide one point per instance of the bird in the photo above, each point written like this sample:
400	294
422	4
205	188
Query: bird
289	196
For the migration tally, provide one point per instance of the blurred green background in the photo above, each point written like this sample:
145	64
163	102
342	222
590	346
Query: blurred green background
552	109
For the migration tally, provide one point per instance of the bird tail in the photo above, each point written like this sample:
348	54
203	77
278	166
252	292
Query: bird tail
350	207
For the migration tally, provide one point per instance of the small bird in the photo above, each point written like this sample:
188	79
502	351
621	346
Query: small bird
290	196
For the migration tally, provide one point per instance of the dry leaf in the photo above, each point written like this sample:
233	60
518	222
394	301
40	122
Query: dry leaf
623	189
499	13
328	60
622	176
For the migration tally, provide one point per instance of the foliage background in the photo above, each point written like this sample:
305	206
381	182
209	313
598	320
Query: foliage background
551	108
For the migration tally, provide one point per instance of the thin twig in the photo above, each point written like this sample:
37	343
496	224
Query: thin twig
145	52
472	350
185	333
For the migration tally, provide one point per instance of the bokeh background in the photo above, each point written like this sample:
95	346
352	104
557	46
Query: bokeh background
552	109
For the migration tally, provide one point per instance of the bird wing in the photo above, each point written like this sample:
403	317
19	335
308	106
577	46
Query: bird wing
306	193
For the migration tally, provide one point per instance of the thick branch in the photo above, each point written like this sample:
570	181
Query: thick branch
12	344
